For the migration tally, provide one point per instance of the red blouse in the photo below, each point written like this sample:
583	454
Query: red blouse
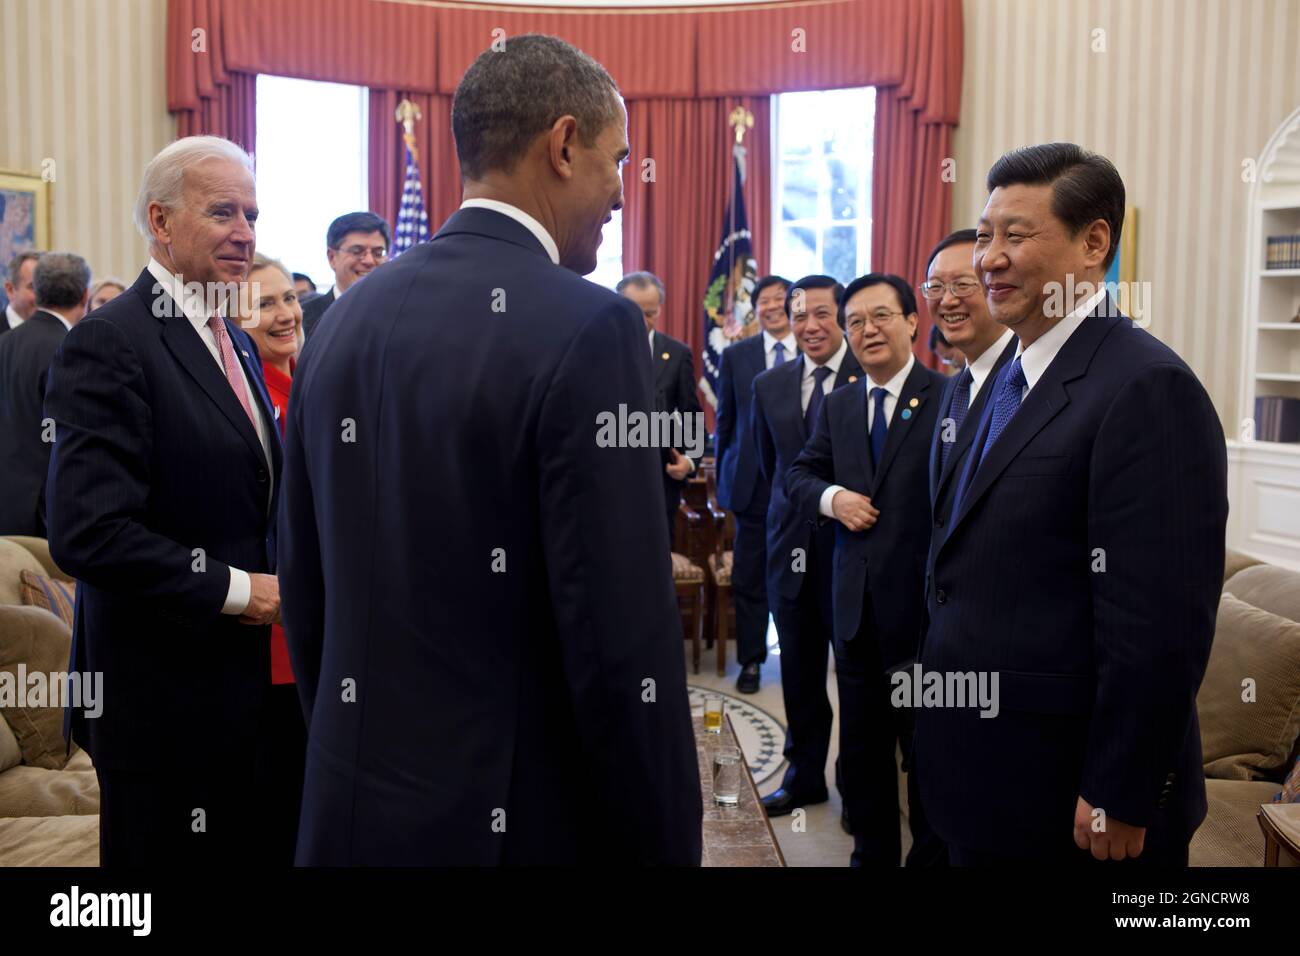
277	386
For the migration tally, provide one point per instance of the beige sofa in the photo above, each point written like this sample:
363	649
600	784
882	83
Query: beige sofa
48	817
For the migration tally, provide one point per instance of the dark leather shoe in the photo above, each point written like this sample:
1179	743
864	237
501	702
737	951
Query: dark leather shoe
782	801
747	682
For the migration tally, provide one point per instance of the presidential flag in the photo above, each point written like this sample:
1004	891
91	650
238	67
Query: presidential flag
728	305
412	223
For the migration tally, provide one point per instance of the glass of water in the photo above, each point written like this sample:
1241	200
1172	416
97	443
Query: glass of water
726	776
713	713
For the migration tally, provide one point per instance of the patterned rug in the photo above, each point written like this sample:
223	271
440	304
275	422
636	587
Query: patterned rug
760	735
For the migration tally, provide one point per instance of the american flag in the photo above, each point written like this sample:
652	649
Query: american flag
412	223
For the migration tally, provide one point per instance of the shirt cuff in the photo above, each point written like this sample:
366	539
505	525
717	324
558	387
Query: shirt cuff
824	506
240	593
691	462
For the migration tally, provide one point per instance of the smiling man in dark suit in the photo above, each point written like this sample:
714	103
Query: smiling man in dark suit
674	385
785	409
1084	558
477	586
161	503
62	286
865	467
356	244
742	488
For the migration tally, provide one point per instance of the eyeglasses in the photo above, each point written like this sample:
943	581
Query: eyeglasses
933	289
379	253
878	318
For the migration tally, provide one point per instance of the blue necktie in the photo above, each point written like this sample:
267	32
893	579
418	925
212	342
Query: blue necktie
879	427
815	402
778	354
1005	404
957	412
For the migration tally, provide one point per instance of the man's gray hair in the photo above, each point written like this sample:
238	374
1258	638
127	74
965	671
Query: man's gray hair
507	98
16	263
640	280
164	177
61	280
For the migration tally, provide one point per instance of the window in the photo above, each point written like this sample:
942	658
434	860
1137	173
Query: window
302	188
609	257
822	182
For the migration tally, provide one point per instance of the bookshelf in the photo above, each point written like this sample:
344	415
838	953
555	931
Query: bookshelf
1264	476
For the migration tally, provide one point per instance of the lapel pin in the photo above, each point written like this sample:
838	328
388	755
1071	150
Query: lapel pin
664	356
907	413
852	379
913	403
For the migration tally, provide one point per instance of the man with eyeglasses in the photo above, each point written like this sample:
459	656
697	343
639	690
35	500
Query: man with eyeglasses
865	466
356	243
953	293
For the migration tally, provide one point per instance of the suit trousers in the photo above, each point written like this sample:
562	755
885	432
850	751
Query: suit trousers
749	586
870	730
805	629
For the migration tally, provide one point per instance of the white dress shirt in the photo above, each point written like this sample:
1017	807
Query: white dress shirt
196	310
1035	359
521	217
982	366
893	390
788	343
828	383
14	318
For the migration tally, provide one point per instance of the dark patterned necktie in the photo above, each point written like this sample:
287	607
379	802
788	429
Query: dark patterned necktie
879	427
1005	404
815	402
778	354
957	412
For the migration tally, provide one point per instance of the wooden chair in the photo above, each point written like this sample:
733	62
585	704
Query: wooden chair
689	581
722	611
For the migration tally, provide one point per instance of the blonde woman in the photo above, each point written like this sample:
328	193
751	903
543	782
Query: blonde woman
105	290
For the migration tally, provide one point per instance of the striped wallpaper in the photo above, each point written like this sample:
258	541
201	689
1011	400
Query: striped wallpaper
1186	90
83	84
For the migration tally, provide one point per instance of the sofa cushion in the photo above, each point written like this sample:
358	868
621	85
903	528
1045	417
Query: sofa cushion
40	548
1269	588
49	594
50	841
1250	739
11	754
1234	561
40	640
1230	834
14	559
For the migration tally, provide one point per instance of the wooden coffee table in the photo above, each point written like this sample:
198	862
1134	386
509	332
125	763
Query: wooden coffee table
1281	825
733	836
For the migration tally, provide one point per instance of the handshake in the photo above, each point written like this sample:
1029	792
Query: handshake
263	600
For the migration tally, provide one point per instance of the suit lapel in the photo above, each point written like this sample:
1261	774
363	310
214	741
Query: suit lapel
969	426
1043	403
916	389
261	396
936	440
183	341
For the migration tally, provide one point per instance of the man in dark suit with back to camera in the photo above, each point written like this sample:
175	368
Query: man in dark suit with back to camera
956	299
674	385
356	243
1083	561
785	406
865	467
742	488
479	610
161	503
62	286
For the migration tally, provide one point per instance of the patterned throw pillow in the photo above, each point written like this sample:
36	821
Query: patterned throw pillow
53	595
1291	788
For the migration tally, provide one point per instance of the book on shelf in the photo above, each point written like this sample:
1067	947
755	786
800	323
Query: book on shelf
1277	418
1283	252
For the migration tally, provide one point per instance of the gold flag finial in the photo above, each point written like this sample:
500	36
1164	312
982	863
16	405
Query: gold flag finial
407	114
741	120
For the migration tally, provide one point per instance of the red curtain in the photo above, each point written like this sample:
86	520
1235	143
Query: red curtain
439	170
671	226
204	95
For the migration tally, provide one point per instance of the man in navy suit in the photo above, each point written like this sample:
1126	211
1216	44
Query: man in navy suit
956	299
161	503
1084	559
356	244
865	467
742	488
477	584
784	410
674	386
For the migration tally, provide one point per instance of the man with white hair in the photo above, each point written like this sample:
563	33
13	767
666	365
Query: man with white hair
161	503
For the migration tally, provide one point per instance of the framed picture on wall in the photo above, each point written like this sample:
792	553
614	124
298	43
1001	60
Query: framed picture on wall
24	214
